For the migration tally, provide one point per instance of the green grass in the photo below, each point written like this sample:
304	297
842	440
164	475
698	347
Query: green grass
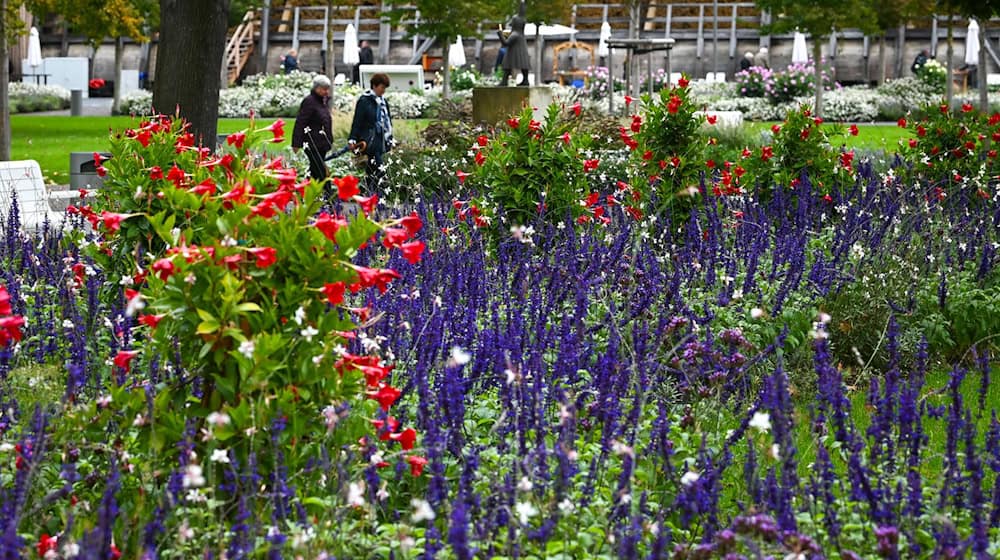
870	136
49	139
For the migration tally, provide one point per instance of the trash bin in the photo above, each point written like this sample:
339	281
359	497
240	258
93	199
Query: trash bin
83	170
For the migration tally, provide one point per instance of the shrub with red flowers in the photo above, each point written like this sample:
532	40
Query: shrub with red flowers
663	138
240	275
954	147
530	169
800	144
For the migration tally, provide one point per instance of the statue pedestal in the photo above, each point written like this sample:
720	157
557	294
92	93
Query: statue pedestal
492	105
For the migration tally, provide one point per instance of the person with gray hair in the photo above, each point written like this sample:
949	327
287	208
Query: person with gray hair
761	59
314	127
746	62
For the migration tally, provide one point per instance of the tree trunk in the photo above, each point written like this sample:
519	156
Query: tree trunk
119	62
983	69
881	58
900	51
818	76
949	79
330	63
189	62
446	63
4	80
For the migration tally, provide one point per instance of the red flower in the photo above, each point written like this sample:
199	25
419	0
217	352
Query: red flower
416	464
592	199
412	251
143	137
565	138
966	108
347	187
683	82
406	438
628	100
818	121
96	83
124	359
480	158
636	123
11	329
412	223
766	153
846	159
155	173
176	175
112	221
461	176
483	140
901	122
775	128
513	122
710	164
278	128
994	119
386	396
102	171
5	308
98	158
266	256
329	225
150	321
712	119
334	292
675	161
204	188
576	108
921	131
913	142
46	544
853	130
590	164
114	553
236	139
648	155
394	237
368	204
804	134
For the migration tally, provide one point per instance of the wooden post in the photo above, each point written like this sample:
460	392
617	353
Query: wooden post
384	35
4	81
265	34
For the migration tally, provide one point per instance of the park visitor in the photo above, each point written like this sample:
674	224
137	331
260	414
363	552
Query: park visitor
290	61
372	129
313	127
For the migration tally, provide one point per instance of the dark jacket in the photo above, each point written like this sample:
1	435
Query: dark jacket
314	114
366	56
364	127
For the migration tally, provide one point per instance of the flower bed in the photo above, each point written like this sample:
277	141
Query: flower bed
795	358
30	98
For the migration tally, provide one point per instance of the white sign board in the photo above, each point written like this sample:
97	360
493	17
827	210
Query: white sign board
130	81
403	77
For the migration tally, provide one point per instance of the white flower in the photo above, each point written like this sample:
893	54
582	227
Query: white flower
525	485
247	348
193	477
219	456
300	315
761	421
422	511
525	511
67	324
71	550
459	357
775	451
218	419
356	494
690	478
756	313
566	506
190	278
309	332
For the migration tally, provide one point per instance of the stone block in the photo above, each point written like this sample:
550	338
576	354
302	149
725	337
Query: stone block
492	105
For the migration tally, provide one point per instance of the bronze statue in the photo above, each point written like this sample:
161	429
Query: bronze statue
517	57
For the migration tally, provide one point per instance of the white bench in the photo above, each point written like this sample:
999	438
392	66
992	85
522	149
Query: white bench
23	180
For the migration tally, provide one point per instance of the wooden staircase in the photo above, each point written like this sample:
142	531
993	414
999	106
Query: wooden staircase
239	47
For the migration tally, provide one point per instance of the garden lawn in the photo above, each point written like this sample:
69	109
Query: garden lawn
49	139
870	136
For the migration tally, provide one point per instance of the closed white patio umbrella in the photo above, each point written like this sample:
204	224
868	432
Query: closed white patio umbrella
800	54
352	52
34	50
972	44
602	45
456	54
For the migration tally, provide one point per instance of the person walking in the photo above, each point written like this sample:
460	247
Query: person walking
746	62
314	127
919	61
371	130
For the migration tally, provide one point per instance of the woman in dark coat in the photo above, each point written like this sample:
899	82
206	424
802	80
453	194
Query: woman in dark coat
314	127
517	57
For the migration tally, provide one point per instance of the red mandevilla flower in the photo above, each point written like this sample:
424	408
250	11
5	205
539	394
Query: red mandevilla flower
155	173
237	139
265	256
334	292
406	438
347	187
46	544
278	129
150	321
461	176
853	130
901	122
124	359
386	396
367	204
590	164
482	140
417	464
412	251
329	225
